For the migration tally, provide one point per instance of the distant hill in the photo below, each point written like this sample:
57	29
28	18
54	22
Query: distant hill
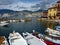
41	10
12	11
27	11
5	11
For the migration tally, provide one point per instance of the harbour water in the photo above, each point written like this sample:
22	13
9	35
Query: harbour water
23	27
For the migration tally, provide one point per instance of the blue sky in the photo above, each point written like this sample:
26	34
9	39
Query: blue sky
26	4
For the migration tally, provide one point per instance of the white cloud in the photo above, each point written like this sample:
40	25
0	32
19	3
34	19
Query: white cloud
19	6
27	6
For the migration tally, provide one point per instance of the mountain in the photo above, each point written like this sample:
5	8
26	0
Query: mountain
41	10
12	11
6	11
27	11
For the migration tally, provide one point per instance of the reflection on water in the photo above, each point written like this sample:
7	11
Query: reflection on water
50	24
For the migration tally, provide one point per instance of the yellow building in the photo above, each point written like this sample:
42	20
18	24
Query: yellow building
54	11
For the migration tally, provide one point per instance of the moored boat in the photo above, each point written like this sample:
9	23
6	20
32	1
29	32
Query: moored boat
32	40
57	28
16	39
53	33
49	40
3	23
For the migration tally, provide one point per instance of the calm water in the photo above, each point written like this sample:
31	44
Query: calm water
23	27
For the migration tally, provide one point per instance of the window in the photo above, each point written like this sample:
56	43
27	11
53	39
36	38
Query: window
50	16
55	9
54	15
50	9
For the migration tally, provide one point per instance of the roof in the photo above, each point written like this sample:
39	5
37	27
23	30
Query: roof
52	7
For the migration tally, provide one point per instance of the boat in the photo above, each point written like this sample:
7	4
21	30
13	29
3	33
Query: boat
16	39
12	21
3	40
53	33
4	23
49	40
22	20
57	28
32	40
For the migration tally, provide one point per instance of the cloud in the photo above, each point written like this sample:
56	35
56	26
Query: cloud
6	2
43	4
22	5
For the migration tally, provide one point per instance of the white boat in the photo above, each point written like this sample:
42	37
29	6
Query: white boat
53	36
32	40
3	40
53	33
22	20
16	39
58	28
54	40
48	39
12	21
3	23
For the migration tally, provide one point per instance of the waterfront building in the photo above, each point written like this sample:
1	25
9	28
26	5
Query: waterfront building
5	15
44	14
38	14
54	11
58	9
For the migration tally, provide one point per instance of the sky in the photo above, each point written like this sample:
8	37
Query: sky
31	5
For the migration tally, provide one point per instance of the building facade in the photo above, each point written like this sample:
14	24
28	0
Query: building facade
58	9
54	11
45	13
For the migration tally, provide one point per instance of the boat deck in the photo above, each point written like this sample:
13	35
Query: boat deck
16	39
32	40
